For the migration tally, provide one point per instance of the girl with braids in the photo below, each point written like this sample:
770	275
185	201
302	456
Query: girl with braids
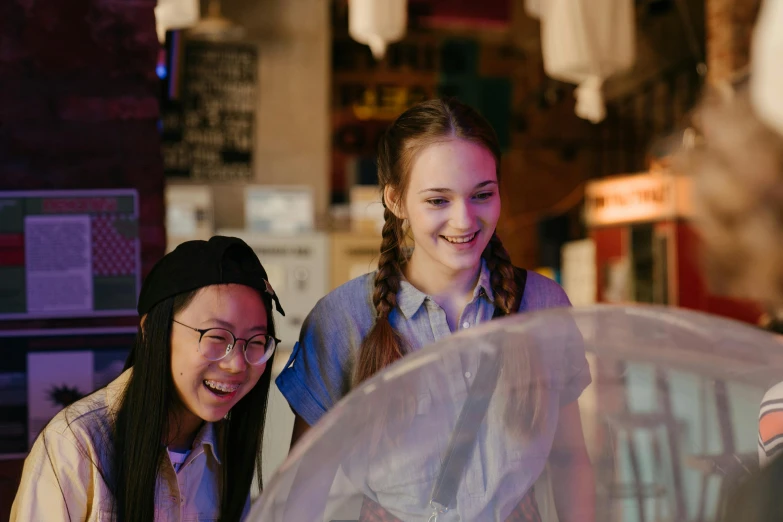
438	167
178	435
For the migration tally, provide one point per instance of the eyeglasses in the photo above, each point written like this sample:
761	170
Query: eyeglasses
215	344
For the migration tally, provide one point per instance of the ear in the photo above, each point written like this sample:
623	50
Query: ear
392	200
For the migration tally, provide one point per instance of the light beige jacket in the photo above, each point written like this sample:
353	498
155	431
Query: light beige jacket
61	481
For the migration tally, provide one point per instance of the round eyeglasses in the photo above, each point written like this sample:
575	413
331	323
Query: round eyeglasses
215	344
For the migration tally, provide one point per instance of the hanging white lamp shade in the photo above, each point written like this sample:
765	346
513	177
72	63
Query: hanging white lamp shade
175	14
377	23
584	42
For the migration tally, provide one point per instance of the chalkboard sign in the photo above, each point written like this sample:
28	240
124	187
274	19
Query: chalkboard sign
208	132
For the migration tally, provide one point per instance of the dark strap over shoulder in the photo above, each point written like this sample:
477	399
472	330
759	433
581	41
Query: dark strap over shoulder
463	438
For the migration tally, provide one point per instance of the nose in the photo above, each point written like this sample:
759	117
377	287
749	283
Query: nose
462	216
235	361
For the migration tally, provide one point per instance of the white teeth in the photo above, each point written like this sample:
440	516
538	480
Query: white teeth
459	240
222	386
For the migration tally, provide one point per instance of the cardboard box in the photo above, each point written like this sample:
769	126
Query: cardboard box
366	209
353	254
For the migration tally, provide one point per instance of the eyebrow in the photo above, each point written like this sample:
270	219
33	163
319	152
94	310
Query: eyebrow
447	190
229	326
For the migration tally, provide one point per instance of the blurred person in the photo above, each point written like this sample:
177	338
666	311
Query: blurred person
177	436
770	441
438	167
738	194
738	169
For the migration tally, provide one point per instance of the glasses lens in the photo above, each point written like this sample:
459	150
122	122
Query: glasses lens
259	349
215	344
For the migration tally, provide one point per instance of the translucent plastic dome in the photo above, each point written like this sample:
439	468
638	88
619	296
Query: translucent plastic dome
670	420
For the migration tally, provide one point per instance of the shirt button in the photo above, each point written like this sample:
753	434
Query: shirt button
468	375
466	324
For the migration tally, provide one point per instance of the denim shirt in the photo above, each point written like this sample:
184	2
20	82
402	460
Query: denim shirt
60	480
318	375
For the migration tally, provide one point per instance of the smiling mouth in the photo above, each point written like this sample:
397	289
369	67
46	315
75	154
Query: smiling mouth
459	240
221	388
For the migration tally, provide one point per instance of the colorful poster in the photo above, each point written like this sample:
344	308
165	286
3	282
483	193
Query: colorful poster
54	381
107	365
58	263
42	371
69	253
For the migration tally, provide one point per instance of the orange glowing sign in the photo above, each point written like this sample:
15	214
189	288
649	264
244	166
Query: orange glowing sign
644	197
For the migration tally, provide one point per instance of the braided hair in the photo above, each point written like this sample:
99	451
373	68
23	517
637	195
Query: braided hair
384	345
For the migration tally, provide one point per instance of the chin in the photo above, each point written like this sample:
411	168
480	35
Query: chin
462	264
214	414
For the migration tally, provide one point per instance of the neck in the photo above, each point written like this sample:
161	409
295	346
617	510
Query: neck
438	281
182	430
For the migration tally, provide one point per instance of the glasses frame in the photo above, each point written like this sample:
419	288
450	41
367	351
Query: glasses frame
202	331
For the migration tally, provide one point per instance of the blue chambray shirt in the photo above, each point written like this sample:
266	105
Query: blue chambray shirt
318	375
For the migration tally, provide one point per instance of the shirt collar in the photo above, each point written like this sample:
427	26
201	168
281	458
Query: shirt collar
207	436
410	298
484	285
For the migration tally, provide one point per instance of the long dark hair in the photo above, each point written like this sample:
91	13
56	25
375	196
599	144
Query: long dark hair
418	127
144	416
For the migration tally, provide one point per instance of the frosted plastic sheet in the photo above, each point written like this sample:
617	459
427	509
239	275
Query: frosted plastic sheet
673	401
